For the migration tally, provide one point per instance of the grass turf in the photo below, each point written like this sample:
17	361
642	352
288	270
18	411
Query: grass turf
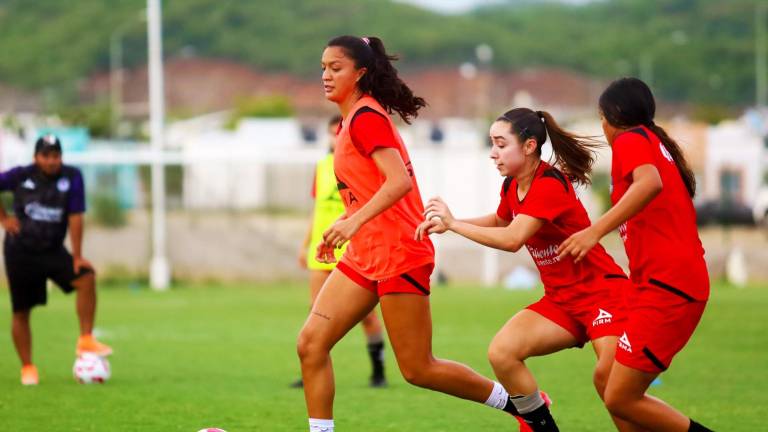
223	356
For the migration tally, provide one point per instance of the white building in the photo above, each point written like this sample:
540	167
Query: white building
736	160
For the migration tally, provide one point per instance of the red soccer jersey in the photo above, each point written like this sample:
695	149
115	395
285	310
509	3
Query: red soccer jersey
384	247
552	199
662	241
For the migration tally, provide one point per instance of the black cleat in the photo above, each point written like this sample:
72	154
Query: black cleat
297	384
378	382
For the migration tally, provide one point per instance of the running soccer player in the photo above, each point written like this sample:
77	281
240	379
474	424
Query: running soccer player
383	262
48	200
653	209
539	209
328	208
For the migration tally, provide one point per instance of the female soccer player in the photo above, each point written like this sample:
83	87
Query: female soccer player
652	194
539	209
383	263
328	207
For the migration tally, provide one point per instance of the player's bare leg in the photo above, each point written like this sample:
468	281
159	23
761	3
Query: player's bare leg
626	398
374	338
22	340
22	336
605	349
85	286
527	334
329	320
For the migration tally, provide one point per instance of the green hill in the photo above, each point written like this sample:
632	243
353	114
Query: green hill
696	50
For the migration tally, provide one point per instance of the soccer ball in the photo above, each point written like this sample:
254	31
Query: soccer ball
90	368
211	430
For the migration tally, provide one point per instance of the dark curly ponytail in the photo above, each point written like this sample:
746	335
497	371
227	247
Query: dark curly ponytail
381	80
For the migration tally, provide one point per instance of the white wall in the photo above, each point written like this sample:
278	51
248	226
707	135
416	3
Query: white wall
734	145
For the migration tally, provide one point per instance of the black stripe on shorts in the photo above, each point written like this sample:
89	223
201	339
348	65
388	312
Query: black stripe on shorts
413	282
655	360
671	289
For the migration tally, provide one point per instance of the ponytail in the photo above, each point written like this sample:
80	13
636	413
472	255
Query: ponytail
381	80
686	173
574	154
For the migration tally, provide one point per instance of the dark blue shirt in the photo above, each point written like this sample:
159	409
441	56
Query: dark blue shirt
43	205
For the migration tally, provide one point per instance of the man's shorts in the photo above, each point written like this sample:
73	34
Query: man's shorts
416	281
28	272
660	321
599	313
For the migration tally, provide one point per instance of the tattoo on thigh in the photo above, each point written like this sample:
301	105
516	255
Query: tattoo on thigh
321	315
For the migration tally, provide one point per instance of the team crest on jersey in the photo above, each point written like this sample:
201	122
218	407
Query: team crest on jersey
603	317
624	343
667	155
28	184
63	184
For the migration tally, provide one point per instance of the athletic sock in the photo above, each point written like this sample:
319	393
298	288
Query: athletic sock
499	399
320	425
376	352
535	412
696	427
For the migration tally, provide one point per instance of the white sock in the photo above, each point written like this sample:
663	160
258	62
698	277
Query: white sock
498	398
528	403
320	425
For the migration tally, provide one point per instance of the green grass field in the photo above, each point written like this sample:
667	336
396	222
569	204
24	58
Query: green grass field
199	357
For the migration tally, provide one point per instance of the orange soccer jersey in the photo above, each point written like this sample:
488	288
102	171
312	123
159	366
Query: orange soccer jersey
384	247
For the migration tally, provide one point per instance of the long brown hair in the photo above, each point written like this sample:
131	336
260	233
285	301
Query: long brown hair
574	154
628	102
381	80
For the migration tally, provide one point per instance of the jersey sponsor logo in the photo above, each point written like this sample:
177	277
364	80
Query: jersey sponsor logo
544	256
667	155
63	184
603	317
344	188
623	232
41	213
28	184
624	343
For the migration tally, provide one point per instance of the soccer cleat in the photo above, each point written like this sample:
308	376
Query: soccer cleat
29	375
89	344
524	427
378	381
298	384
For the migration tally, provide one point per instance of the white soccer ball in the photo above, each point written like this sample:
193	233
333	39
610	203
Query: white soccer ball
90	368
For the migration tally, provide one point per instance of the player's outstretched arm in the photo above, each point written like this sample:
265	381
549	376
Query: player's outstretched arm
646	185
508	238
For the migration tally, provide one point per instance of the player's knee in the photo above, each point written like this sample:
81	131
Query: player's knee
86	281
600	379
505	354
21	317
617	403
417	373
308	346
369	320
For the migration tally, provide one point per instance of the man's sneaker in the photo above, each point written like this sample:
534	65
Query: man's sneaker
89	344
29	375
